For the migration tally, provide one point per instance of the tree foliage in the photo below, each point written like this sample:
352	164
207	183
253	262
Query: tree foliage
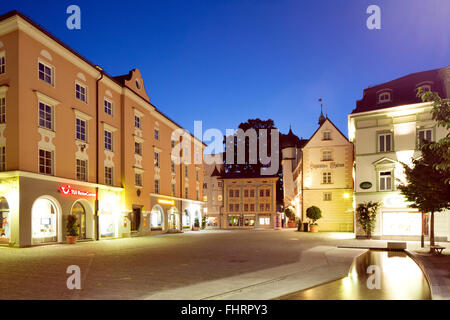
254	169
71	225
290	213
314	213
366	216
441	114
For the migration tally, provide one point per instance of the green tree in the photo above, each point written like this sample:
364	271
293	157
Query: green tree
314	213
290	213
427	187
254	169
366	216
441	114
71	225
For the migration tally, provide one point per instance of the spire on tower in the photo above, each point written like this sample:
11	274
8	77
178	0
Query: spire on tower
321	118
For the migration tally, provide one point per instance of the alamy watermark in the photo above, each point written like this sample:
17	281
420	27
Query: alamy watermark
237	150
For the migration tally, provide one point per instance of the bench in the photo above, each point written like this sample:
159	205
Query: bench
437	250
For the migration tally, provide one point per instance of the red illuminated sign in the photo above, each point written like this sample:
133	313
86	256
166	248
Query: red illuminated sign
69	191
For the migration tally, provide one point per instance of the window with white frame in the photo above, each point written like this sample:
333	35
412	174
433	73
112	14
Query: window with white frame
108	140
157	162
138	179
137	122
81	130
197	174
157	186
261	207
385	180
385	142
384	97
186	192
326	135
109	176
45	162
108	107
186	172
245	207
81	92
138	148
45	116
3	158
3	110
82	170
424	135
326	178
2	63
327	196
267	192
46	73
156	134
326	156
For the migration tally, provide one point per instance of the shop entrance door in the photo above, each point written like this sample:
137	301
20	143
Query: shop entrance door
172	221
135	219
79	211
4	220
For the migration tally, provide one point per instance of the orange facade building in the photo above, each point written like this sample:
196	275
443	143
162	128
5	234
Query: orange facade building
75	140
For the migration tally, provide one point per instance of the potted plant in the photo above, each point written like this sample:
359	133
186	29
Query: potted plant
196	225
71	229
366	216
314	213
290	214
203	223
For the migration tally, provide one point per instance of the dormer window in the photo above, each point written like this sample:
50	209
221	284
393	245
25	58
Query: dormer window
384	97
425	86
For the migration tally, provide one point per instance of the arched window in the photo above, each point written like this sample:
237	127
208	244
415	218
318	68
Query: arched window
156	218
4	220
186	219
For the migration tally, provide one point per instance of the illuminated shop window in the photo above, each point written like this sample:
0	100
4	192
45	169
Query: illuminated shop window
265	221
186	219
44	221
4	221
156	217
249	221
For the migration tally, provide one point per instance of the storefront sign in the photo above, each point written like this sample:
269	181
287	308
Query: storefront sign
333	165
69	191
165	201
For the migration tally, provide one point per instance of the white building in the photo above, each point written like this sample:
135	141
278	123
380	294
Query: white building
385	128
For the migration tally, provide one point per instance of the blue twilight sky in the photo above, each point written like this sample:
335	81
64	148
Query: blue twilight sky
225	61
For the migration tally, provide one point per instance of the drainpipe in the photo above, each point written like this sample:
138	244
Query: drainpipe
97	155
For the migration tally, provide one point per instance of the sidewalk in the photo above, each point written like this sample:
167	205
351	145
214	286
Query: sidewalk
436	269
